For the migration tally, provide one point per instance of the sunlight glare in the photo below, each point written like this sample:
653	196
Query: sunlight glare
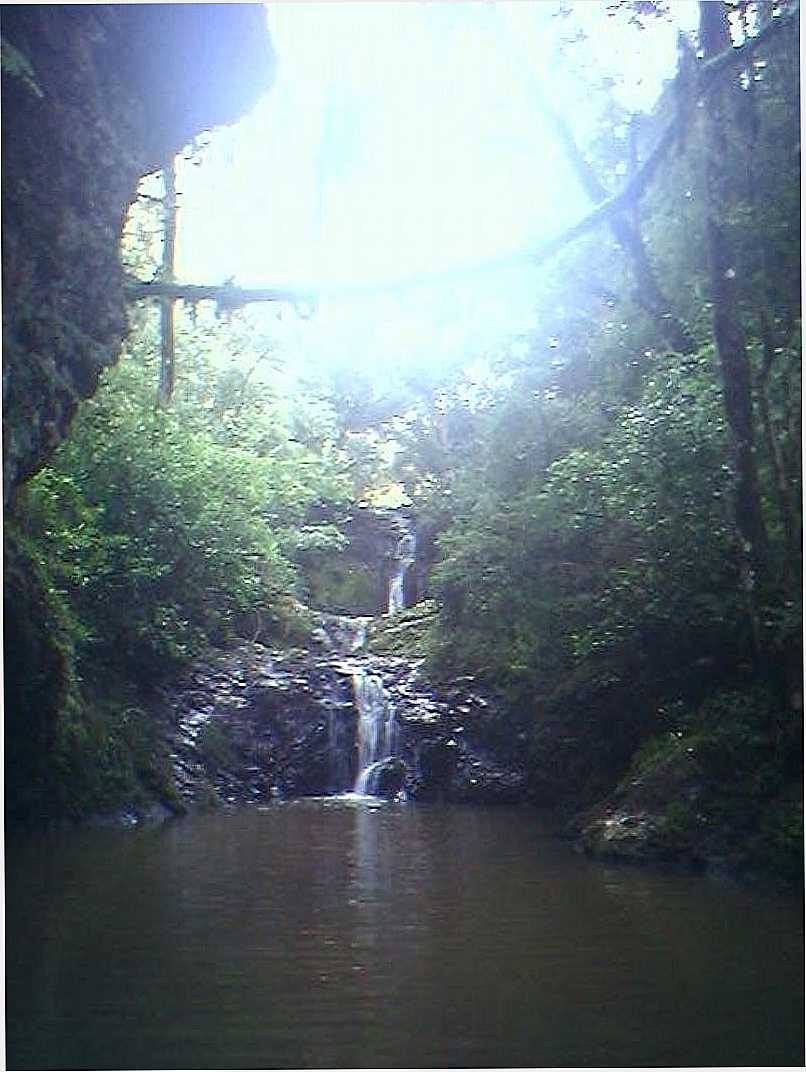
401	141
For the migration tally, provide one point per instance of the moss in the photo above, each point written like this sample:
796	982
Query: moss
216	747
208	798
341	586
781	829
40	687
157	780
70	750
719	788
678	828
406	633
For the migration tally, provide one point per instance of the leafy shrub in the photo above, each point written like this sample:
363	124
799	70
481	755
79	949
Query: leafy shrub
623	543
151	534
158	531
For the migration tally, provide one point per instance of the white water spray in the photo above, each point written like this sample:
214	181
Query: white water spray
404	559
377	729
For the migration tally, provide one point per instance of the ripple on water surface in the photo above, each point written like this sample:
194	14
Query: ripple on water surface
351	932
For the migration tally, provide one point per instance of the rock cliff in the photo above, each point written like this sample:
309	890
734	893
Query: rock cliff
94	97
249	724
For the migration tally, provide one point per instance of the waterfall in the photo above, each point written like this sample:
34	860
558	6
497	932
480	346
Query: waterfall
404	558
377	729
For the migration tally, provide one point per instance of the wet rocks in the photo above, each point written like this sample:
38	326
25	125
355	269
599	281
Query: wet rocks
485	781
622	835
387	778
253	724
356	579
449	737
436	765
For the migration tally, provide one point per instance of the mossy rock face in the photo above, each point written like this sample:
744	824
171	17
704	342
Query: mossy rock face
781	827
94	97
717	793
38	682
71	750
346	587
405	633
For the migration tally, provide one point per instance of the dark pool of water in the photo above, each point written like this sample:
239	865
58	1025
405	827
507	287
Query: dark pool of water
330	934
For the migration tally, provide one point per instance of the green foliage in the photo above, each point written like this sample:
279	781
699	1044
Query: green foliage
583	510
342	586
654	504
722	783
161	531
105	754
153	533
39	676
72	747
622	542
575	497
781	840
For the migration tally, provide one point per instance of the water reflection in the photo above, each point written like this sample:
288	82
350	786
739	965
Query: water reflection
341	934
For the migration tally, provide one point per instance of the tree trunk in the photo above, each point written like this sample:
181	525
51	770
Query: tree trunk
734	361
783	496
168	349
648	293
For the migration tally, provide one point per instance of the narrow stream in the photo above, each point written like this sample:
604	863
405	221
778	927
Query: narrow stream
338	933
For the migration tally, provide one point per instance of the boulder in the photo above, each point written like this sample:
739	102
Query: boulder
436	762
387	778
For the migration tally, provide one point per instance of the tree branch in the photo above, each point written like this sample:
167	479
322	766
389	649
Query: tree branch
229	297
730	56
707	77
618	202
225	295
648	292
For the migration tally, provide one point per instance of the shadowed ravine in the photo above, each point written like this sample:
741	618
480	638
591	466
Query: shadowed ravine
376	923
403	658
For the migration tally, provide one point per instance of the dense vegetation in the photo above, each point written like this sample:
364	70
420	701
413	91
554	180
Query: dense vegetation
622	548
610	508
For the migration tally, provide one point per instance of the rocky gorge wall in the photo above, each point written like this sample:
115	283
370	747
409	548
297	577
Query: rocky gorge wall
251	724
94	97
356	580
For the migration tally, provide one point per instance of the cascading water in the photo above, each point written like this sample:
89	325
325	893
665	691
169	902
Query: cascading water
404	559
367	744
377	729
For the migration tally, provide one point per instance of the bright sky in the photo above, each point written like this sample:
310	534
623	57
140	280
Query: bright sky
400	141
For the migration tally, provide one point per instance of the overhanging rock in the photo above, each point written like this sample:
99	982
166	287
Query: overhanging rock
94	97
